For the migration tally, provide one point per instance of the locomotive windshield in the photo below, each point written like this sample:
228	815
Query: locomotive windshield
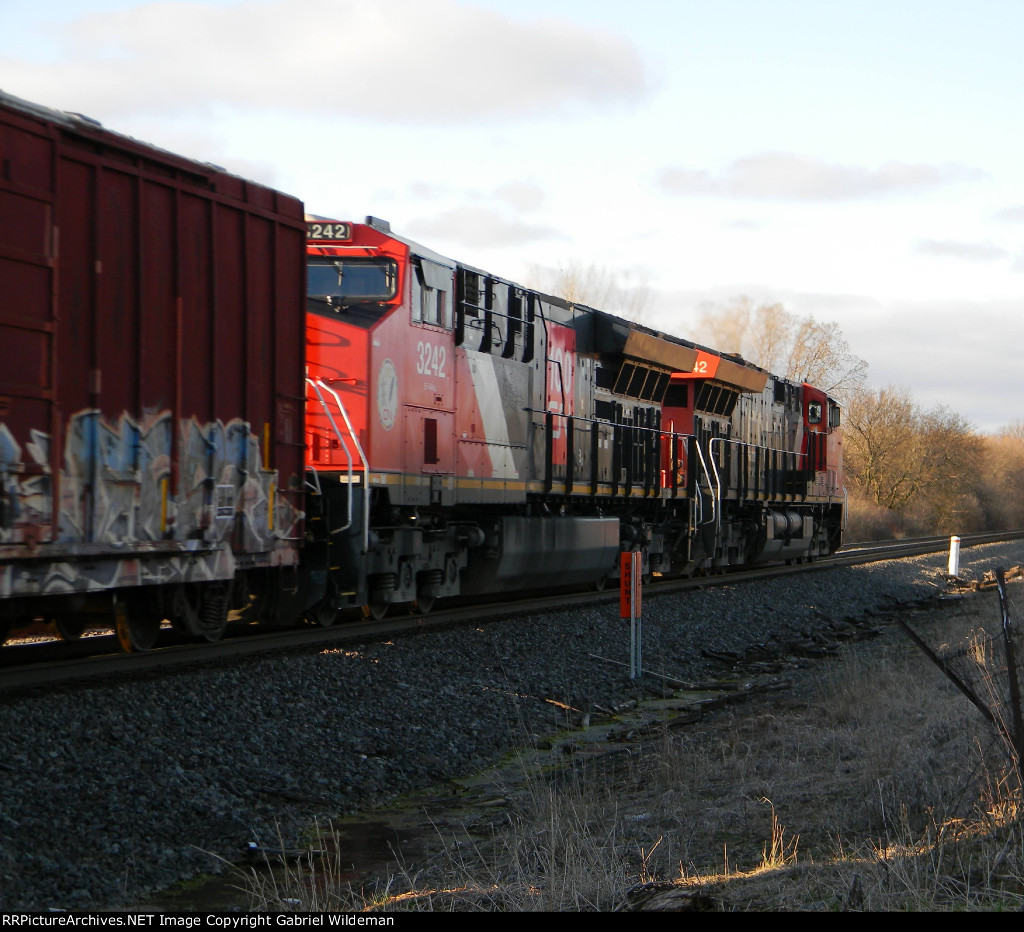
347	281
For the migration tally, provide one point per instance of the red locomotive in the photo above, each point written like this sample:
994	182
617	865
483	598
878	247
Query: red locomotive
469	435
169	448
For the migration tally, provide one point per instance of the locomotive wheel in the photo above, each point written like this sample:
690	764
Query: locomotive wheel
323	614
376	608
423	605
136	632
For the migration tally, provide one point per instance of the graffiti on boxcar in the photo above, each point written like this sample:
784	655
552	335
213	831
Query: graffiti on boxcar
117	486
26	491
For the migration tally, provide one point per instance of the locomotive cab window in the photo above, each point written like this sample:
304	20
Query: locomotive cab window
813	412
335	283
433	284
432	307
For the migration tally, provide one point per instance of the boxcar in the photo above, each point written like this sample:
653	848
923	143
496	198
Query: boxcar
151	384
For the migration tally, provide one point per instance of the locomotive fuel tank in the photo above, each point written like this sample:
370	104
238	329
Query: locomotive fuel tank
535	553
786	535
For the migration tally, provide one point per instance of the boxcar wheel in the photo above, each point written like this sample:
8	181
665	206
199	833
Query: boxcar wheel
69	627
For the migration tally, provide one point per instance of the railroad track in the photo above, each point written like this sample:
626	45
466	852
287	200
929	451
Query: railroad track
37	661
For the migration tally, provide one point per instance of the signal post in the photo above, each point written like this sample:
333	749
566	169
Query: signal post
630	596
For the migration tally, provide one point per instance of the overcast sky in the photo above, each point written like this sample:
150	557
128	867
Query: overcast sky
862	161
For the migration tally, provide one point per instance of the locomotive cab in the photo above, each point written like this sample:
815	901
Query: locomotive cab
380	406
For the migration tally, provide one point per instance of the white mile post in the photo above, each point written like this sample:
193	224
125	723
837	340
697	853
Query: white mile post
954	556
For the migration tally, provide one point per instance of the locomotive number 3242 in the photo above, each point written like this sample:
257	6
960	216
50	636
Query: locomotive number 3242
432	360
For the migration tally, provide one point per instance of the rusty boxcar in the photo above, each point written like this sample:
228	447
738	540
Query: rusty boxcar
151	381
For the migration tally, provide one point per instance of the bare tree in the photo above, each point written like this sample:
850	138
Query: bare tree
772	336
879	453
620	292
923	464
951	456
800	348
819	354
725	328
1002	477
1013	434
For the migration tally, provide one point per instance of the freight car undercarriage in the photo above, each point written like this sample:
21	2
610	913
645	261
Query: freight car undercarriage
370	560
415	555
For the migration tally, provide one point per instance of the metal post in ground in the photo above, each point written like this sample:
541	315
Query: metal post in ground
630	595
1011	672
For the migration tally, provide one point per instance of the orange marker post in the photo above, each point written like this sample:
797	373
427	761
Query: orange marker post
630	598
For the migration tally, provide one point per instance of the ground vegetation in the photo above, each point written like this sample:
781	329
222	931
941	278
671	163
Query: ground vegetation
862	779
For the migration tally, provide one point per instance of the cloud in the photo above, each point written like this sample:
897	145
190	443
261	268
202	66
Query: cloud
413	61
426	191
950	249
479	227
786	176
1010	215
521	195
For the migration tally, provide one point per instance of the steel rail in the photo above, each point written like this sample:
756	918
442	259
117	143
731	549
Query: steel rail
105	659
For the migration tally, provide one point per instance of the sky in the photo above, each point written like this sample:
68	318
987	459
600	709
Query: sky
859	162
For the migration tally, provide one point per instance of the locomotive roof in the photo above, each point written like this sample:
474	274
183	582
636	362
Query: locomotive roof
608	332
614	333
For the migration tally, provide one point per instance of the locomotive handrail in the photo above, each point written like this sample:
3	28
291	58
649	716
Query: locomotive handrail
600	422
755	446
718	479
657	431
344	447
366	470
317	384
715	502
315	485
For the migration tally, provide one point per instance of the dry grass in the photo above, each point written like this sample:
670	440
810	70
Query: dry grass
872	784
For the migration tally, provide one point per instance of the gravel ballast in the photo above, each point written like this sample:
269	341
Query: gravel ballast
108	793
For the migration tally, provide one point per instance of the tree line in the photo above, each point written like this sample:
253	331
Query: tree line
909	470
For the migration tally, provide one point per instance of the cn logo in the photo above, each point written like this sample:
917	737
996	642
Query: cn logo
387	394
